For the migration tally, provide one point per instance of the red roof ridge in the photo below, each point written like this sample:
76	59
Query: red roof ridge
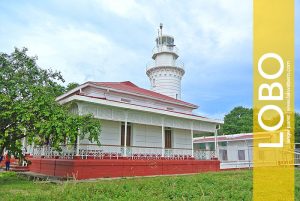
128	83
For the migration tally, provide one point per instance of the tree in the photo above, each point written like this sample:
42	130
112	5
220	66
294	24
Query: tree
239	120
71	86
28	107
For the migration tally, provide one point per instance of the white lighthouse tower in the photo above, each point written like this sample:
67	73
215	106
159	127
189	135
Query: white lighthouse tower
165	73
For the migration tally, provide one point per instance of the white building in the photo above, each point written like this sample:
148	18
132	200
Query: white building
137	122
234	151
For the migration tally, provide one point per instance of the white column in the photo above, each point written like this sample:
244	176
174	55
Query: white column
125	139
77	144
192	136
79	132
24	145
162	139
207	151
248	154
43	150
125	135
32	148
216	143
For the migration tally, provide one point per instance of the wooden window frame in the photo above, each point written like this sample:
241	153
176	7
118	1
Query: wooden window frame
168	138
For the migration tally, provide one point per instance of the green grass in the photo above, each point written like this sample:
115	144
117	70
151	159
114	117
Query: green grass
231	185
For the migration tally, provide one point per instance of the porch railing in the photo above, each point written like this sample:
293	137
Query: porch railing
201	154
87	151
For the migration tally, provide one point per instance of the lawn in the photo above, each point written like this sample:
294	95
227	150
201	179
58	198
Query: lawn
229	185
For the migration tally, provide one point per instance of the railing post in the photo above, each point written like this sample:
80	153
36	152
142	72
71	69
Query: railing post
125	136
192	136
162	140
43	151
32	149
216	143
77	144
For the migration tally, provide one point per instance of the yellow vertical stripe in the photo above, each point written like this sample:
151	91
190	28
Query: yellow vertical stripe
273	122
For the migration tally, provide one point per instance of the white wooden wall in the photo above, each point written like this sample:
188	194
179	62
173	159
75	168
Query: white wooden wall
141	135
233	147
145	135
111	132
182	138
147	118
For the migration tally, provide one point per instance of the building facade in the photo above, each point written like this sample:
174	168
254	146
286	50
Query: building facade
138	123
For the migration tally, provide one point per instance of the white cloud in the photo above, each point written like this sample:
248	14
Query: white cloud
79	54
79	38
127	9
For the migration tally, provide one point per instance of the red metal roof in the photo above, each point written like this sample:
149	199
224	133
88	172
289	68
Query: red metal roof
233	137
128	86
224	138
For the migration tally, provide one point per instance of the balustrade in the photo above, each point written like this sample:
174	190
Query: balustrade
94	151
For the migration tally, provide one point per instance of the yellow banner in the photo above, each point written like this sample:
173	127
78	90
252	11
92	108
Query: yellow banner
273	120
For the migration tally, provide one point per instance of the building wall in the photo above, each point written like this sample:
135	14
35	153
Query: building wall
234	146
146	135
182	138
111	132
146	126
233	161
165	59
141	135
147	118
166	80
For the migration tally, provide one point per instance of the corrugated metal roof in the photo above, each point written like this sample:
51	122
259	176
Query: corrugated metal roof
128	86
223	138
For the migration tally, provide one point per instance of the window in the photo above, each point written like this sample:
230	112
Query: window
241	155
223	144
223	154
128	138
168	138
211	146
201	146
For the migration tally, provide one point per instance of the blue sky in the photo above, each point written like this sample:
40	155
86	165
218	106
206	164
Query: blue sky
112	41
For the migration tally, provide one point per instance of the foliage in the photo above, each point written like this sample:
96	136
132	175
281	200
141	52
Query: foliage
71	86
28	106
239	120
